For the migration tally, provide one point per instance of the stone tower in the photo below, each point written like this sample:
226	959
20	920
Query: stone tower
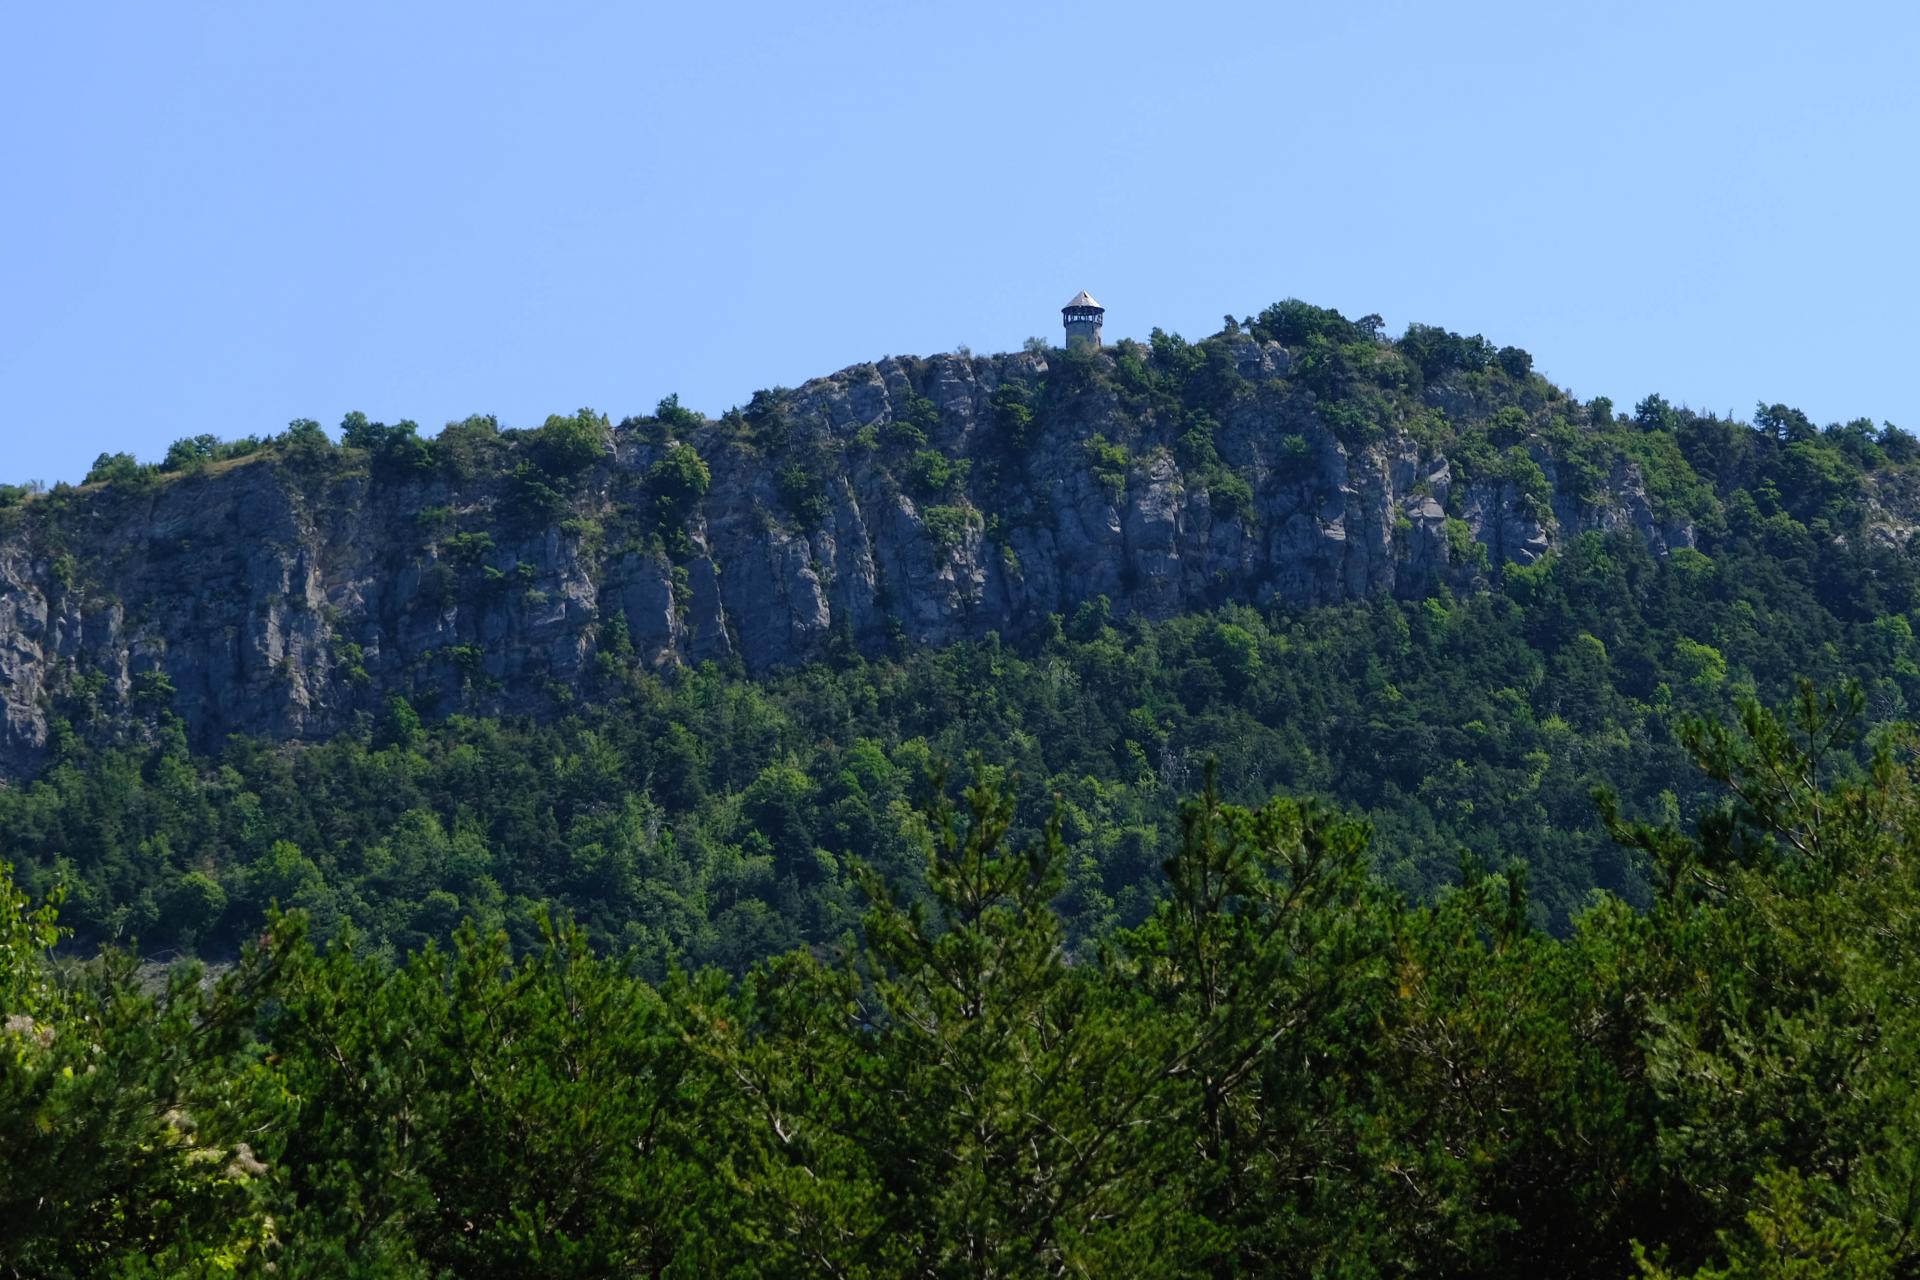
1082	318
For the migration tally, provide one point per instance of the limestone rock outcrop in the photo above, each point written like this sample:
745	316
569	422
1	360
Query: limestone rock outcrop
288	599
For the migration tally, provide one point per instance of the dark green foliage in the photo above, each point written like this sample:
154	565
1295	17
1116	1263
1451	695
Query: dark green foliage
1295	323
677	482
356	432
1058	1023
191	453
566	446
1196	449
116	468
931	475
1231	495
1333	357
675	417
304	442
397	452
1900	447
766	418
401	726
1783	422
918	418
432	519
1013	414
467	550
1284	1070
1173	357
465	448
948	525
196	452
531	500
1109	463
1479	721
153	689
1437	352
804	495
544	1087
124	1110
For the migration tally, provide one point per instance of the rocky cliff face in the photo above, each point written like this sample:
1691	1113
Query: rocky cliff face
288	598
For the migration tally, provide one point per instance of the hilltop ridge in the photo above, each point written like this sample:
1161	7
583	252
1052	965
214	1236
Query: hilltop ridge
1298	459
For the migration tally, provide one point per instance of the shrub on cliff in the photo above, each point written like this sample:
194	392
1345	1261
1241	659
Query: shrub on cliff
677	482
566	446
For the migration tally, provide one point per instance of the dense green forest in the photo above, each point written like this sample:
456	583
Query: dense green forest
706	816
715	818
1556	954
1286	1068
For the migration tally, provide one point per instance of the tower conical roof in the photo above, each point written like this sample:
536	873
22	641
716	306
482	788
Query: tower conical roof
1083	299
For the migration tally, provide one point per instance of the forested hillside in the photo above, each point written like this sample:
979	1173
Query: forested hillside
1296	804
1285	1070
680	676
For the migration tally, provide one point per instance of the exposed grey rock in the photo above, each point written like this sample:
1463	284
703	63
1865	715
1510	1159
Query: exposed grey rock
290	604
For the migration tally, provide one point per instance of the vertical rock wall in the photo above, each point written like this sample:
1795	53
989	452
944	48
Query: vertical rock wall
289	601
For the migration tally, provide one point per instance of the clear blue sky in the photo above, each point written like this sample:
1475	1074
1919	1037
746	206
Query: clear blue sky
218	217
